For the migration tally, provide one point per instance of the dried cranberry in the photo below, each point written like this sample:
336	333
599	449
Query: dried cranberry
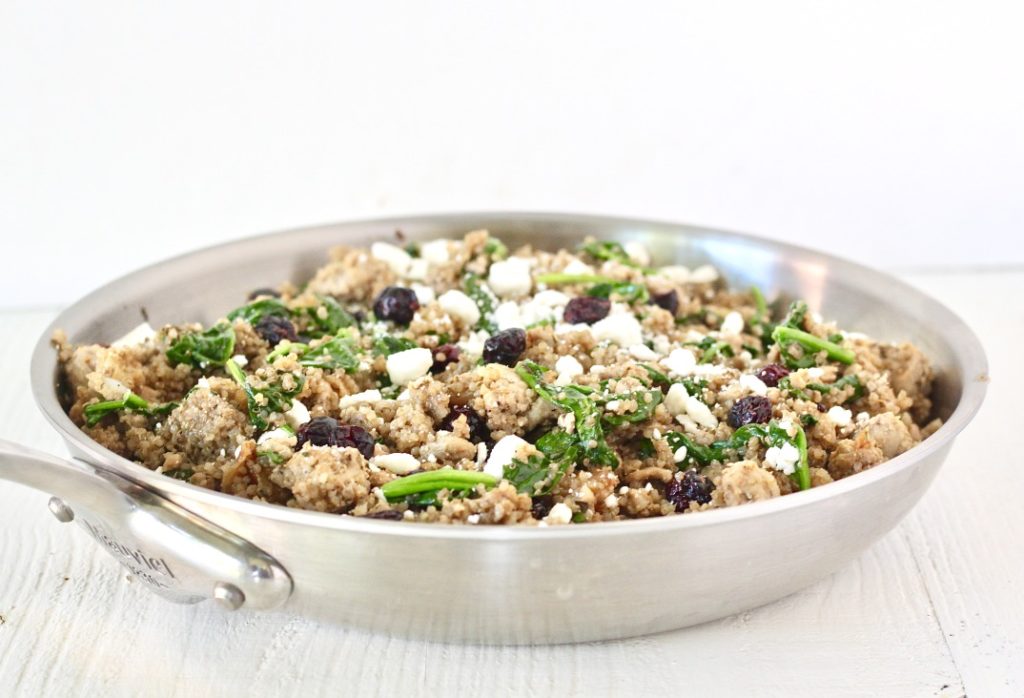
771	374
669	300
692	487
274	328
478	429
397	304
505	347
386	514
325	431
444	355
753	409
541	506
262	293
586	309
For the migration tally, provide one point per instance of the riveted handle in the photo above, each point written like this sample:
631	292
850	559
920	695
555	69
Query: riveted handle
181	556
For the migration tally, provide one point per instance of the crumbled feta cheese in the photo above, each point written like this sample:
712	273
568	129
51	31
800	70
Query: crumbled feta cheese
395	257
203	383
567	368
611	501
675	272
473	345
704	274
578	267
424	294
506	315
862	418
435	252
240	360
551	299
680	455
786	424
661	343
419	269
502	454
613	405
458	304
623	329
732	324
397	463
675	399
279	433
140	335
559	514
783	458
642	352
510	277
700	413
408	365
473	518
367	396
597	369
481	453
656	433
680	362
637	253
297	415
567	421
815	372
840	416
749	381
624	489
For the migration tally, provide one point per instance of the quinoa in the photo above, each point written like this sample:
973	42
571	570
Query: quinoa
476	398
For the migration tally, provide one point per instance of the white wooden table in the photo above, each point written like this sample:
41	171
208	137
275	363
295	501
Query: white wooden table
935	608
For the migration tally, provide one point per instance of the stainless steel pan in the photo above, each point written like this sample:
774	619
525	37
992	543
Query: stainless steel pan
489	584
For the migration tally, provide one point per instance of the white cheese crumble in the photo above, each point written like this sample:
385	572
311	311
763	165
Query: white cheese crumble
397	463
481	453
473	345
704	274
279	433
732	324
201	383
458	304
140	335
559	514
642	352
419	269
506	316
364	397
754	384
567	368
840	416
435	252
408	365
700	413
783	458
578	267
240	360
297	415
815	372
397	259
511	277
623	329
502	454
675	399
424	294
680	362
637	253
676	273
680	455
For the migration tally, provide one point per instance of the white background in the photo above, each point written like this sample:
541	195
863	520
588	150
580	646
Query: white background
892	132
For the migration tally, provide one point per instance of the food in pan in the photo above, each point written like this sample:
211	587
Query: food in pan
455	381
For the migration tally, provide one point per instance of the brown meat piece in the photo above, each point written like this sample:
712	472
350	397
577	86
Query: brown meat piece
326	479
206	427
746	482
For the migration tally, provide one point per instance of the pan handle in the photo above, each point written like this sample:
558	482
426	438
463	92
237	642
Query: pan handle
181	556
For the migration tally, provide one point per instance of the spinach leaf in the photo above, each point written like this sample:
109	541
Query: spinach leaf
327	318
761	323
95	412
624	291
786	337
337	352
386	345
557	278
646	401
589	430
433	481
257	310
266	401
201	349
485	301
495	248
608	250
711	348
541	474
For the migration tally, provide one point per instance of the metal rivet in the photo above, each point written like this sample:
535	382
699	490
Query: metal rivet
61	510
228	595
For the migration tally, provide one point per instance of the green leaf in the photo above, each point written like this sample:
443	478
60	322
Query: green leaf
180	473
485	301
786	337
646	400
624	291
202	349
557	278
711	349
435	481
95	412
608	250
257	310
327	318
276	399
495	248
339	352
386	345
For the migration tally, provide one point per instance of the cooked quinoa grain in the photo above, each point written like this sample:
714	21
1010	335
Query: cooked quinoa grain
454	382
